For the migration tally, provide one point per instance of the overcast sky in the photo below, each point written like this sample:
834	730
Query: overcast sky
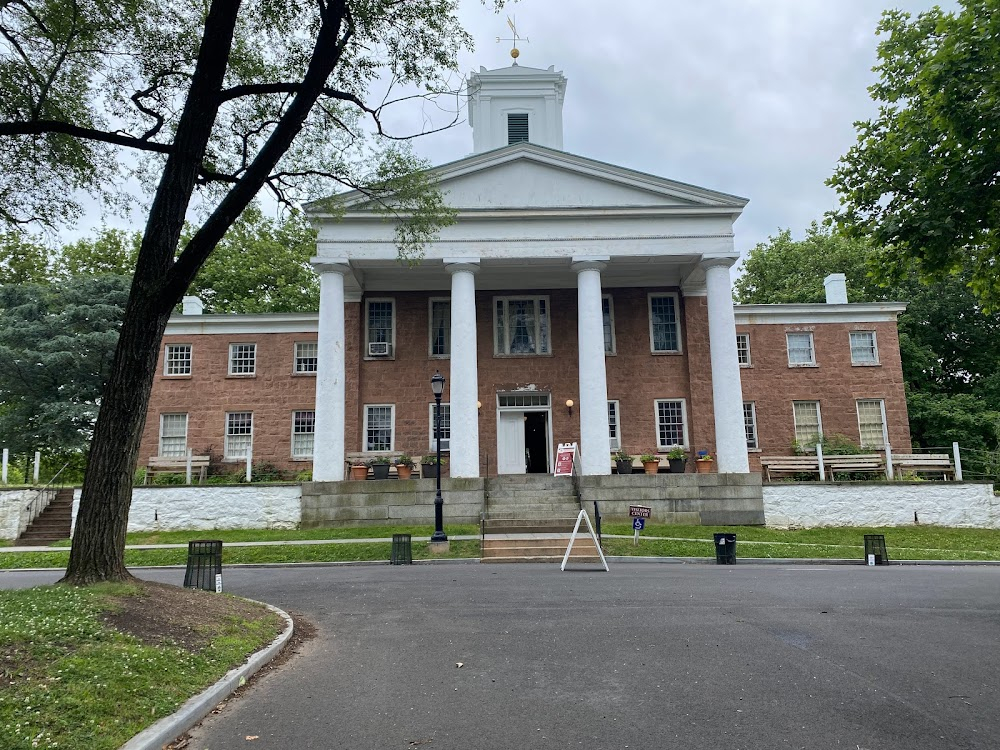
751	97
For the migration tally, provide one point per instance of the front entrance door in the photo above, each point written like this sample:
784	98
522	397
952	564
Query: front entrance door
536	441
510	443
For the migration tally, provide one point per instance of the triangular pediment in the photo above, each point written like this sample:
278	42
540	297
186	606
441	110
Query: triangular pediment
531	177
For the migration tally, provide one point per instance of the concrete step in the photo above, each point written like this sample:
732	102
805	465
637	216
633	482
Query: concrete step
539	550
540	559
534	480
528	525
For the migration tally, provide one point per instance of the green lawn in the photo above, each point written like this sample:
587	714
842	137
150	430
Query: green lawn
71	680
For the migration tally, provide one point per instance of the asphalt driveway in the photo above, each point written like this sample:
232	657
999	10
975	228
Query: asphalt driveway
646	656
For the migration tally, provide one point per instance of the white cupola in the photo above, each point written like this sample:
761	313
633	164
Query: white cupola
515	104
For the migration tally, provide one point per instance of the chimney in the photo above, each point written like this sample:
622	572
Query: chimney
192	306
836	289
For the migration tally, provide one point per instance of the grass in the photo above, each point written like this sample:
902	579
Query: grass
274	535
250	555
903	542
71	681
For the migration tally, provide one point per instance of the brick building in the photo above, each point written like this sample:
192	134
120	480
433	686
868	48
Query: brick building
571	301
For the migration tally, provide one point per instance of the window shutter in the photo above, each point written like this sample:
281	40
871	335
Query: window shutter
517	128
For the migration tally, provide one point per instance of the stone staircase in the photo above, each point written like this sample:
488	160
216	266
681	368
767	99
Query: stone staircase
52	524
530	518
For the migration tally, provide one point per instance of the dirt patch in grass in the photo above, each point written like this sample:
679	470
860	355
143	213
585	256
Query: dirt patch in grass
163	614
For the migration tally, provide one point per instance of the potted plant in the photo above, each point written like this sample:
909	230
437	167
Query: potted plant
404	467
429	467
623	461
359	470
704	462
676	457
650	462
380	467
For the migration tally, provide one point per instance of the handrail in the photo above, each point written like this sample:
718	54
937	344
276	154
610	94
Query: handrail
55	476
597	523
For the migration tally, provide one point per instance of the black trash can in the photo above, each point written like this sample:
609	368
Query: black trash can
402	550
875	546
204	563
725	549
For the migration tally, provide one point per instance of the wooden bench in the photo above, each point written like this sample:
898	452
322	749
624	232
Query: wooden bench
924	463
177	465
868	463
787	465
363	457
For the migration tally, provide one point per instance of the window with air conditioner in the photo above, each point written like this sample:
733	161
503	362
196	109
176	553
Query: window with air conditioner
380	327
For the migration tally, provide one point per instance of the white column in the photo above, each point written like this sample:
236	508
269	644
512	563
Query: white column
328	450
595	445
727	392
464	385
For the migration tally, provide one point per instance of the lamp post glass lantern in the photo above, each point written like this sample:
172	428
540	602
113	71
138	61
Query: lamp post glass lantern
437	388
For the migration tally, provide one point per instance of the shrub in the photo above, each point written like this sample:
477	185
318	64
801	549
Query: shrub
621	455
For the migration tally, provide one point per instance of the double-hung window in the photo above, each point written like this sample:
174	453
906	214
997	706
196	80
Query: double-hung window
871	423
800	349
380	423
177	359
239	435
743	349
521	325
608	315
440	333
380	327
173	434
306	357
864	350
614	433
303	433
671	425
664	323
750	424
808	424
445	427
242	359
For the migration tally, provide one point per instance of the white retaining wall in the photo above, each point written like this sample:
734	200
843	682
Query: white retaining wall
812	504
18	508
207	507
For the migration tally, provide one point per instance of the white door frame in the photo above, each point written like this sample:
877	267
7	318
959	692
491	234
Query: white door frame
549	452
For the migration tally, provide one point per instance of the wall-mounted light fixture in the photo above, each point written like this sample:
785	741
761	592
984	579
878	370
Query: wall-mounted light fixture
479	404
569	406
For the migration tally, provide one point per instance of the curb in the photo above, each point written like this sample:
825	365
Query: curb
795	561
197	708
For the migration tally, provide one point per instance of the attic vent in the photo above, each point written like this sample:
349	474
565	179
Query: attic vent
517	128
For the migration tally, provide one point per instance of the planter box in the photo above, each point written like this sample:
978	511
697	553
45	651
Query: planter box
429	471
624	467
380	471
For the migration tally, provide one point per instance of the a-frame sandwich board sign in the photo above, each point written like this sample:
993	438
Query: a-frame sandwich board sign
576	530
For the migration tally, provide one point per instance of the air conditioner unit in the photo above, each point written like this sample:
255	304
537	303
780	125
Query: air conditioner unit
378	348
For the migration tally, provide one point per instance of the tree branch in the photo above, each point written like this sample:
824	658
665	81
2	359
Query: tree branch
41	127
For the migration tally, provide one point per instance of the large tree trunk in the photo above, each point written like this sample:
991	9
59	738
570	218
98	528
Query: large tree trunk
98	547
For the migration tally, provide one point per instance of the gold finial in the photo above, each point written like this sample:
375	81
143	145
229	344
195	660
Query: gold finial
514	52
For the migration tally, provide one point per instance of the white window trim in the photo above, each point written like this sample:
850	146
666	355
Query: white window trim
302	456
616	442
819	417
166	361
446	445
392	342
649	318
548	315
656	422
187	420
225	435
749	362
885	424
242	374
392	426
506	123
295	359
878	360
812	349
430	328
753	417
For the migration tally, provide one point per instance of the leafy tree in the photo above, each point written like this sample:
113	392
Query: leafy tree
110	251
261	265
23	259
56	345
219	100
923	180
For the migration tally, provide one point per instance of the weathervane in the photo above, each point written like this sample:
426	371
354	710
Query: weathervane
515	52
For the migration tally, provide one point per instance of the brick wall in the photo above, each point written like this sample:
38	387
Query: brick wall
636	378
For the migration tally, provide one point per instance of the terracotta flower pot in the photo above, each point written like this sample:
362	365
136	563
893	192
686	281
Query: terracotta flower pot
704	467
651	467
359	472
404	472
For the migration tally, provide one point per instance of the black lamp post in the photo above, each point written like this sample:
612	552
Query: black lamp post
437	386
